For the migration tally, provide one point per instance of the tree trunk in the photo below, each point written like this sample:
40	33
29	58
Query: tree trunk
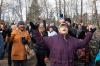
45	3
20	6
59	8
96	13
1	8
81	19
64	8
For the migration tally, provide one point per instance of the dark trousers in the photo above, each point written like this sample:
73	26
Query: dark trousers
20	63
9	54
40	59
98	63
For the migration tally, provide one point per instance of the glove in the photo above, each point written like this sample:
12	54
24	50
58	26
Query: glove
93	30
24	41
34	27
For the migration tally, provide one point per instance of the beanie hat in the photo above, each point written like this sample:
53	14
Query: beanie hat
21	23
67	19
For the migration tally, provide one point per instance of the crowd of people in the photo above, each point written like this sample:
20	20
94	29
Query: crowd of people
66	44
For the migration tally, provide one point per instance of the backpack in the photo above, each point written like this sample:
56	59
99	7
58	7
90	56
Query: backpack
97	58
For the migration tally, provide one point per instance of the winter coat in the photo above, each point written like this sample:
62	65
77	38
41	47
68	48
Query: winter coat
18	48
62	50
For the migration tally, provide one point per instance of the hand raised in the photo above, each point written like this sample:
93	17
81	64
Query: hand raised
91	28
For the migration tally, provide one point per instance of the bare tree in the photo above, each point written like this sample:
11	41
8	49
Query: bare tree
45	4
1	8
51	14
26	8
60	7
57	8
81	11
64	8
34	11
20	9
95	13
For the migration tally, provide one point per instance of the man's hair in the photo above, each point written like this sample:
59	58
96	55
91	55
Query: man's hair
67	19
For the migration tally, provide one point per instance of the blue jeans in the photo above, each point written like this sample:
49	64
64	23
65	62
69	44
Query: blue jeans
92	63
98	63
20	63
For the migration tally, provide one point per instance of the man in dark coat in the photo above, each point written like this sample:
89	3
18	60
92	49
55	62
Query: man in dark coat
63	46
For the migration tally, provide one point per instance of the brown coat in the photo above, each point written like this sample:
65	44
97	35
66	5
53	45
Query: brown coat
18	49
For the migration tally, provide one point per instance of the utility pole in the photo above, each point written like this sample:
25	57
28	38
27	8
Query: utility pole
1	8
81	19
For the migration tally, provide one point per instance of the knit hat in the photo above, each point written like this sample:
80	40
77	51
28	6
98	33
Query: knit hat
21	23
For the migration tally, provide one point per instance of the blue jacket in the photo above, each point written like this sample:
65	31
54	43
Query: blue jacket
1	44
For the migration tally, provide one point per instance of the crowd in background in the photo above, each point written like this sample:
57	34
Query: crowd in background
13	38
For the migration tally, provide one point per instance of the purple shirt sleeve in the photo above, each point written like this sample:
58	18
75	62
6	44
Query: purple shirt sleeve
82	43
44	41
